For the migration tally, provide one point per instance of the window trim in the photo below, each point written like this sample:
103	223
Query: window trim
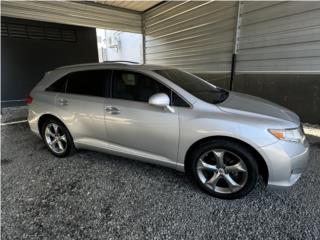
143	73
66	84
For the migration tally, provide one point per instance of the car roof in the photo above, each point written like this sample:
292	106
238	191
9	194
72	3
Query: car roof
113	64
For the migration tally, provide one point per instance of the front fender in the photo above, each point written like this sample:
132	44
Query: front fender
196	129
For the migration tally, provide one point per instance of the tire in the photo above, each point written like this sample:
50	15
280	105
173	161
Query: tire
57	138
223	168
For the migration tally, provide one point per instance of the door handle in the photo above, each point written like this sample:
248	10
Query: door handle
112	110
62	102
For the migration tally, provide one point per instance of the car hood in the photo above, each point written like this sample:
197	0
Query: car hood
248	103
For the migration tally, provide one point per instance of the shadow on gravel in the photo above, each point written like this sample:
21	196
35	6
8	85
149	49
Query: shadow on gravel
5	161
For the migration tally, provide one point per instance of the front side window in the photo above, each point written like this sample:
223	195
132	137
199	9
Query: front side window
178	101
90	83
195	85
135	86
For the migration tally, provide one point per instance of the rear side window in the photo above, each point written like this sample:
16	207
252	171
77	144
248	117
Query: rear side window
90	83
59	85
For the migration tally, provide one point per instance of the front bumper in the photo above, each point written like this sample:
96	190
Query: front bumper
286	162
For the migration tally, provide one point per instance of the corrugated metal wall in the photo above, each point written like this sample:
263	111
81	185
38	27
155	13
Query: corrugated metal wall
73	13
196	36
199	36
279	55
279	36
278	47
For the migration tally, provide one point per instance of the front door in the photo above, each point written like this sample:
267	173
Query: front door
137	128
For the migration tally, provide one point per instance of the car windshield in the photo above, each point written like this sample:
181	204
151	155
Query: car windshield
195	85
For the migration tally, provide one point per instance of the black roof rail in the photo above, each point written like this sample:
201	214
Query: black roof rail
121	62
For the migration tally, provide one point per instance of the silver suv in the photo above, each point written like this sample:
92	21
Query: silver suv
223	140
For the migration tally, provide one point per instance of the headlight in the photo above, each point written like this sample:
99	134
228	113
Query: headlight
292	134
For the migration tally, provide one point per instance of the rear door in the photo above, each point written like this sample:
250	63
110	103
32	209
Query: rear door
82	105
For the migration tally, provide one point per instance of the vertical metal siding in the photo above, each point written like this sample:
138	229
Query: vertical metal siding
74	13
196	36
279	36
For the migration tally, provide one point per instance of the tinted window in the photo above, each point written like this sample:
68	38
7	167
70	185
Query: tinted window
195	85
59	85
136	86
178	101
91	83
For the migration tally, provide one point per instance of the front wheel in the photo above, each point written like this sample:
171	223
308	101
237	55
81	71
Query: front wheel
57	138
223	169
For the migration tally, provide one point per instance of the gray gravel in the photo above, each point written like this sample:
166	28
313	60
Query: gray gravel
97	196
11	114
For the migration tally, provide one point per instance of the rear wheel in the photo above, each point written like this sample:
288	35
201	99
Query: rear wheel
57	138
223	169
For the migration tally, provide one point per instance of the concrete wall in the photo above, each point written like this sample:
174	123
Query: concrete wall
25	59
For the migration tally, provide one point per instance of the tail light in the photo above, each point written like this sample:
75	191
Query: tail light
29	100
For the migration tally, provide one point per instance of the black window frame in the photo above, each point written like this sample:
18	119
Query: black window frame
151	77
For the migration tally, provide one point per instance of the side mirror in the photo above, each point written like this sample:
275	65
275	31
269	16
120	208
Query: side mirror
161	100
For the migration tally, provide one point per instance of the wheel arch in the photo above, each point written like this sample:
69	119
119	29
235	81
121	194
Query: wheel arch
262	165
47	116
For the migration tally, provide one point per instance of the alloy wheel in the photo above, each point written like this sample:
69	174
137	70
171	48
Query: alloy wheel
55	138
222	171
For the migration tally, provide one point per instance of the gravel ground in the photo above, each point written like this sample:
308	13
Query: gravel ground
11	114
98	196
